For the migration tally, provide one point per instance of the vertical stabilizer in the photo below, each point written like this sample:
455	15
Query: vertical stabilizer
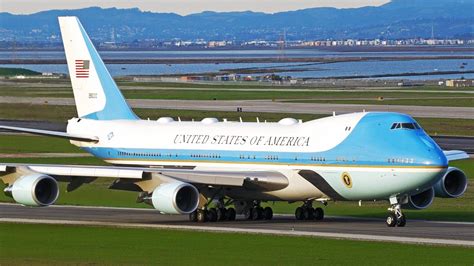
95	92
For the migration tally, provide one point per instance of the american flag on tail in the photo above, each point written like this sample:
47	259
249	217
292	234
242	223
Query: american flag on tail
82	68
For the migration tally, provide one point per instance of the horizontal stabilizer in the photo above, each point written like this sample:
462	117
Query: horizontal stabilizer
455	155
57	134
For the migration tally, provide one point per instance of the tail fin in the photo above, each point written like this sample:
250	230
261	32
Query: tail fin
95	92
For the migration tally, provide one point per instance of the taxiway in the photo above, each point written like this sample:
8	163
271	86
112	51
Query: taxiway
267	106
416	231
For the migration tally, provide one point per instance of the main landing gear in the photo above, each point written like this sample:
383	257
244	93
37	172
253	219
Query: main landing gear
395	216
307	212
212	215
256	212
251	210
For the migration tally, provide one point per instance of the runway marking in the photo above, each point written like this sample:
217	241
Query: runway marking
275	214
411	240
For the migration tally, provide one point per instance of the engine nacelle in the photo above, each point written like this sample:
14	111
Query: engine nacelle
34	190
175	198
421	200
452	185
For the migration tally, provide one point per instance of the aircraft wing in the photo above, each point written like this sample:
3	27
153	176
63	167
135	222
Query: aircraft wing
455	155
78	174
52	133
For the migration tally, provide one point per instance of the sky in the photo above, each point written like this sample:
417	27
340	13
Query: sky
182	7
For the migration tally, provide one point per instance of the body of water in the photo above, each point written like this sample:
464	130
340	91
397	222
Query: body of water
307	70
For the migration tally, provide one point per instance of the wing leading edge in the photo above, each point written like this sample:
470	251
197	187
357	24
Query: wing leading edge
265	180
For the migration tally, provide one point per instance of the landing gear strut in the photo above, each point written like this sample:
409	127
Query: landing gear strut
395	216
307	212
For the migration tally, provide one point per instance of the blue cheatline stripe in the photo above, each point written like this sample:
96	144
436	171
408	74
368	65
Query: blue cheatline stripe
115	105
237	157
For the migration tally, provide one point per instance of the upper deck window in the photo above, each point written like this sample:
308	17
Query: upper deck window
405	126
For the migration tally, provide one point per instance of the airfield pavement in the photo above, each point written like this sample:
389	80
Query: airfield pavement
267	106
416	231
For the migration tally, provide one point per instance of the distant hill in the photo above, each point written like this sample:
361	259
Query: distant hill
6	71
399	19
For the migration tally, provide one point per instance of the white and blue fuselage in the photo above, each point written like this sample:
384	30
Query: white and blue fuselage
361	156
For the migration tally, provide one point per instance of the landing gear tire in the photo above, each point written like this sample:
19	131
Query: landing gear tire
257	213
391	220
201	216
248	214
221	214
308	213
212	215
402	221
193	216
267	213
299	213
230	214
318	214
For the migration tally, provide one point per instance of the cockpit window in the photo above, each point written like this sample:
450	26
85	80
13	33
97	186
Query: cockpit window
405	126
408	125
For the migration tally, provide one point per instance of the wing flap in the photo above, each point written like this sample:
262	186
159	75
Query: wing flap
265	180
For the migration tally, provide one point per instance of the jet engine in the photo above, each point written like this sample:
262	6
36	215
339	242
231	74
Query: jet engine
452	185
175	198
421	200
34	190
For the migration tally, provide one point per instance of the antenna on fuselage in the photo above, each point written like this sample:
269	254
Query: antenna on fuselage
258	120
334	113
179	119
240	118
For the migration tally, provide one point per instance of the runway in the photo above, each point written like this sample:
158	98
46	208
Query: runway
416	231
267	106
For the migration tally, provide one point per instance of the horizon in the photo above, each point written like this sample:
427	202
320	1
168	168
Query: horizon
27	7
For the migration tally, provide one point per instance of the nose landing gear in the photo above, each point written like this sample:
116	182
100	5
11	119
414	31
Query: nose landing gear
395	216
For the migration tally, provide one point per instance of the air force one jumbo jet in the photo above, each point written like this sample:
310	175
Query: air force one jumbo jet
186	167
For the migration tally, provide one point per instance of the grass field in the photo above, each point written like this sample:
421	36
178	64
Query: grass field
32	144
57	245
424	95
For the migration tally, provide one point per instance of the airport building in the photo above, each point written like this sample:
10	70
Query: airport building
459	83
